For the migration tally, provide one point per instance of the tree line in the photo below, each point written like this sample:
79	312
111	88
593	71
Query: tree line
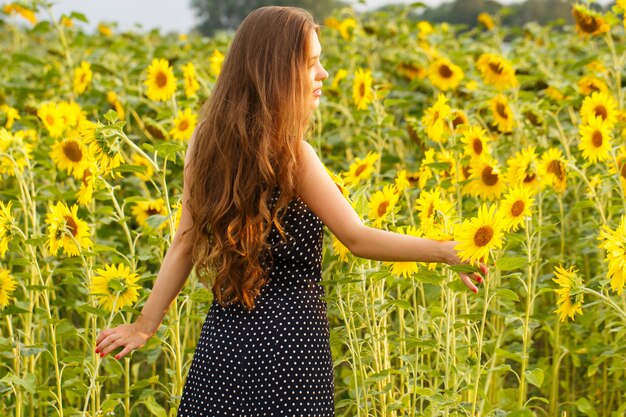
227	14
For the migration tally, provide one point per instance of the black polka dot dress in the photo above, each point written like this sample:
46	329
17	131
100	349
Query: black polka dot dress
274	360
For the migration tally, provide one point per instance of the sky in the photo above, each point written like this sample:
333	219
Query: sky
171	15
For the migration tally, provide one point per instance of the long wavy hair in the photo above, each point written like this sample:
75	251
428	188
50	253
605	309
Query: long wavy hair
247	144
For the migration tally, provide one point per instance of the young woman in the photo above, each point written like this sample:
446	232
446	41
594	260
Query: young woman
255	200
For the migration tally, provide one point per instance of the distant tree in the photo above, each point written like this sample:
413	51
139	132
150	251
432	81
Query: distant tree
227	14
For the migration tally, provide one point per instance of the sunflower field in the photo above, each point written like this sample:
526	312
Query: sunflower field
510	141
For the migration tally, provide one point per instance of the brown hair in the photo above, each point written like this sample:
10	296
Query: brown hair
247	145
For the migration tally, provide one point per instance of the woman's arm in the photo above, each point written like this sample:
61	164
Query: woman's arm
172	275
318	190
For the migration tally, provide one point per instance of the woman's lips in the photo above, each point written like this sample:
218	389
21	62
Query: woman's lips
318	92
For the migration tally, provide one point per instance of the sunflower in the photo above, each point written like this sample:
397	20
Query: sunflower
117	105
71	113
411	71
161	82
476	143
496	71
589	22
459	120
177	210
82	77
444	74
554	93
215	62
340	249
66	21
405	268
339	76
105	30
6	227
105	145
515	206
425	172
88	184
486	180
446	163
552	170
26	13
589	84
190	81
7	286
141	161
570	294
436	119
401	182
435	213
184	125
17	152
480	234
382	203
362	92
486	20
66	230
115	287
425	29
51	118
522	169
144	209
361	169
595	142
346	28
70	154
502	114
614	243
11	115
600	104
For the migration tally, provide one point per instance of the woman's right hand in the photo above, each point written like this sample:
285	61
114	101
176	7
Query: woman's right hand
130	336
453	259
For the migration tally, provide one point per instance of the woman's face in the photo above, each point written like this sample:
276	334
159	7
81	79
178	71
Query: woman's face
317	73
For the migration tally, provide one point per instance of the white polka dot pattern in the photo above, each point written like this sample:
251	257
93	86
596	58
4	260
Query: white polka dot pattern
276	359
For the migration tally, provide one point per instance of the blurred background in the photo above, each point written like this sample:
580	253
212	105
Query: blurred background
207	16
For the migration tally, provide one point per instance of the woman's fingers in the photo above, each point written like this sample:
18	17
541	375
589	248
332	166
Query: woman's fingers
468	283
477	277
124	352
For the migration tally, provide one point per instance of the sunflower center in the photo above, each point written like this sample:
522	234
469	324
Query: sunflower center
50	119
530	177
600	110
72	151
501	110
554	167
436	116
86	175
71	225
596	139
431	209
161	79
496	67
517	208
586	23
382	208
362	90
152	211
466	172
488	176
477	145
445	71
360	169
458	120
183	125
483	235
